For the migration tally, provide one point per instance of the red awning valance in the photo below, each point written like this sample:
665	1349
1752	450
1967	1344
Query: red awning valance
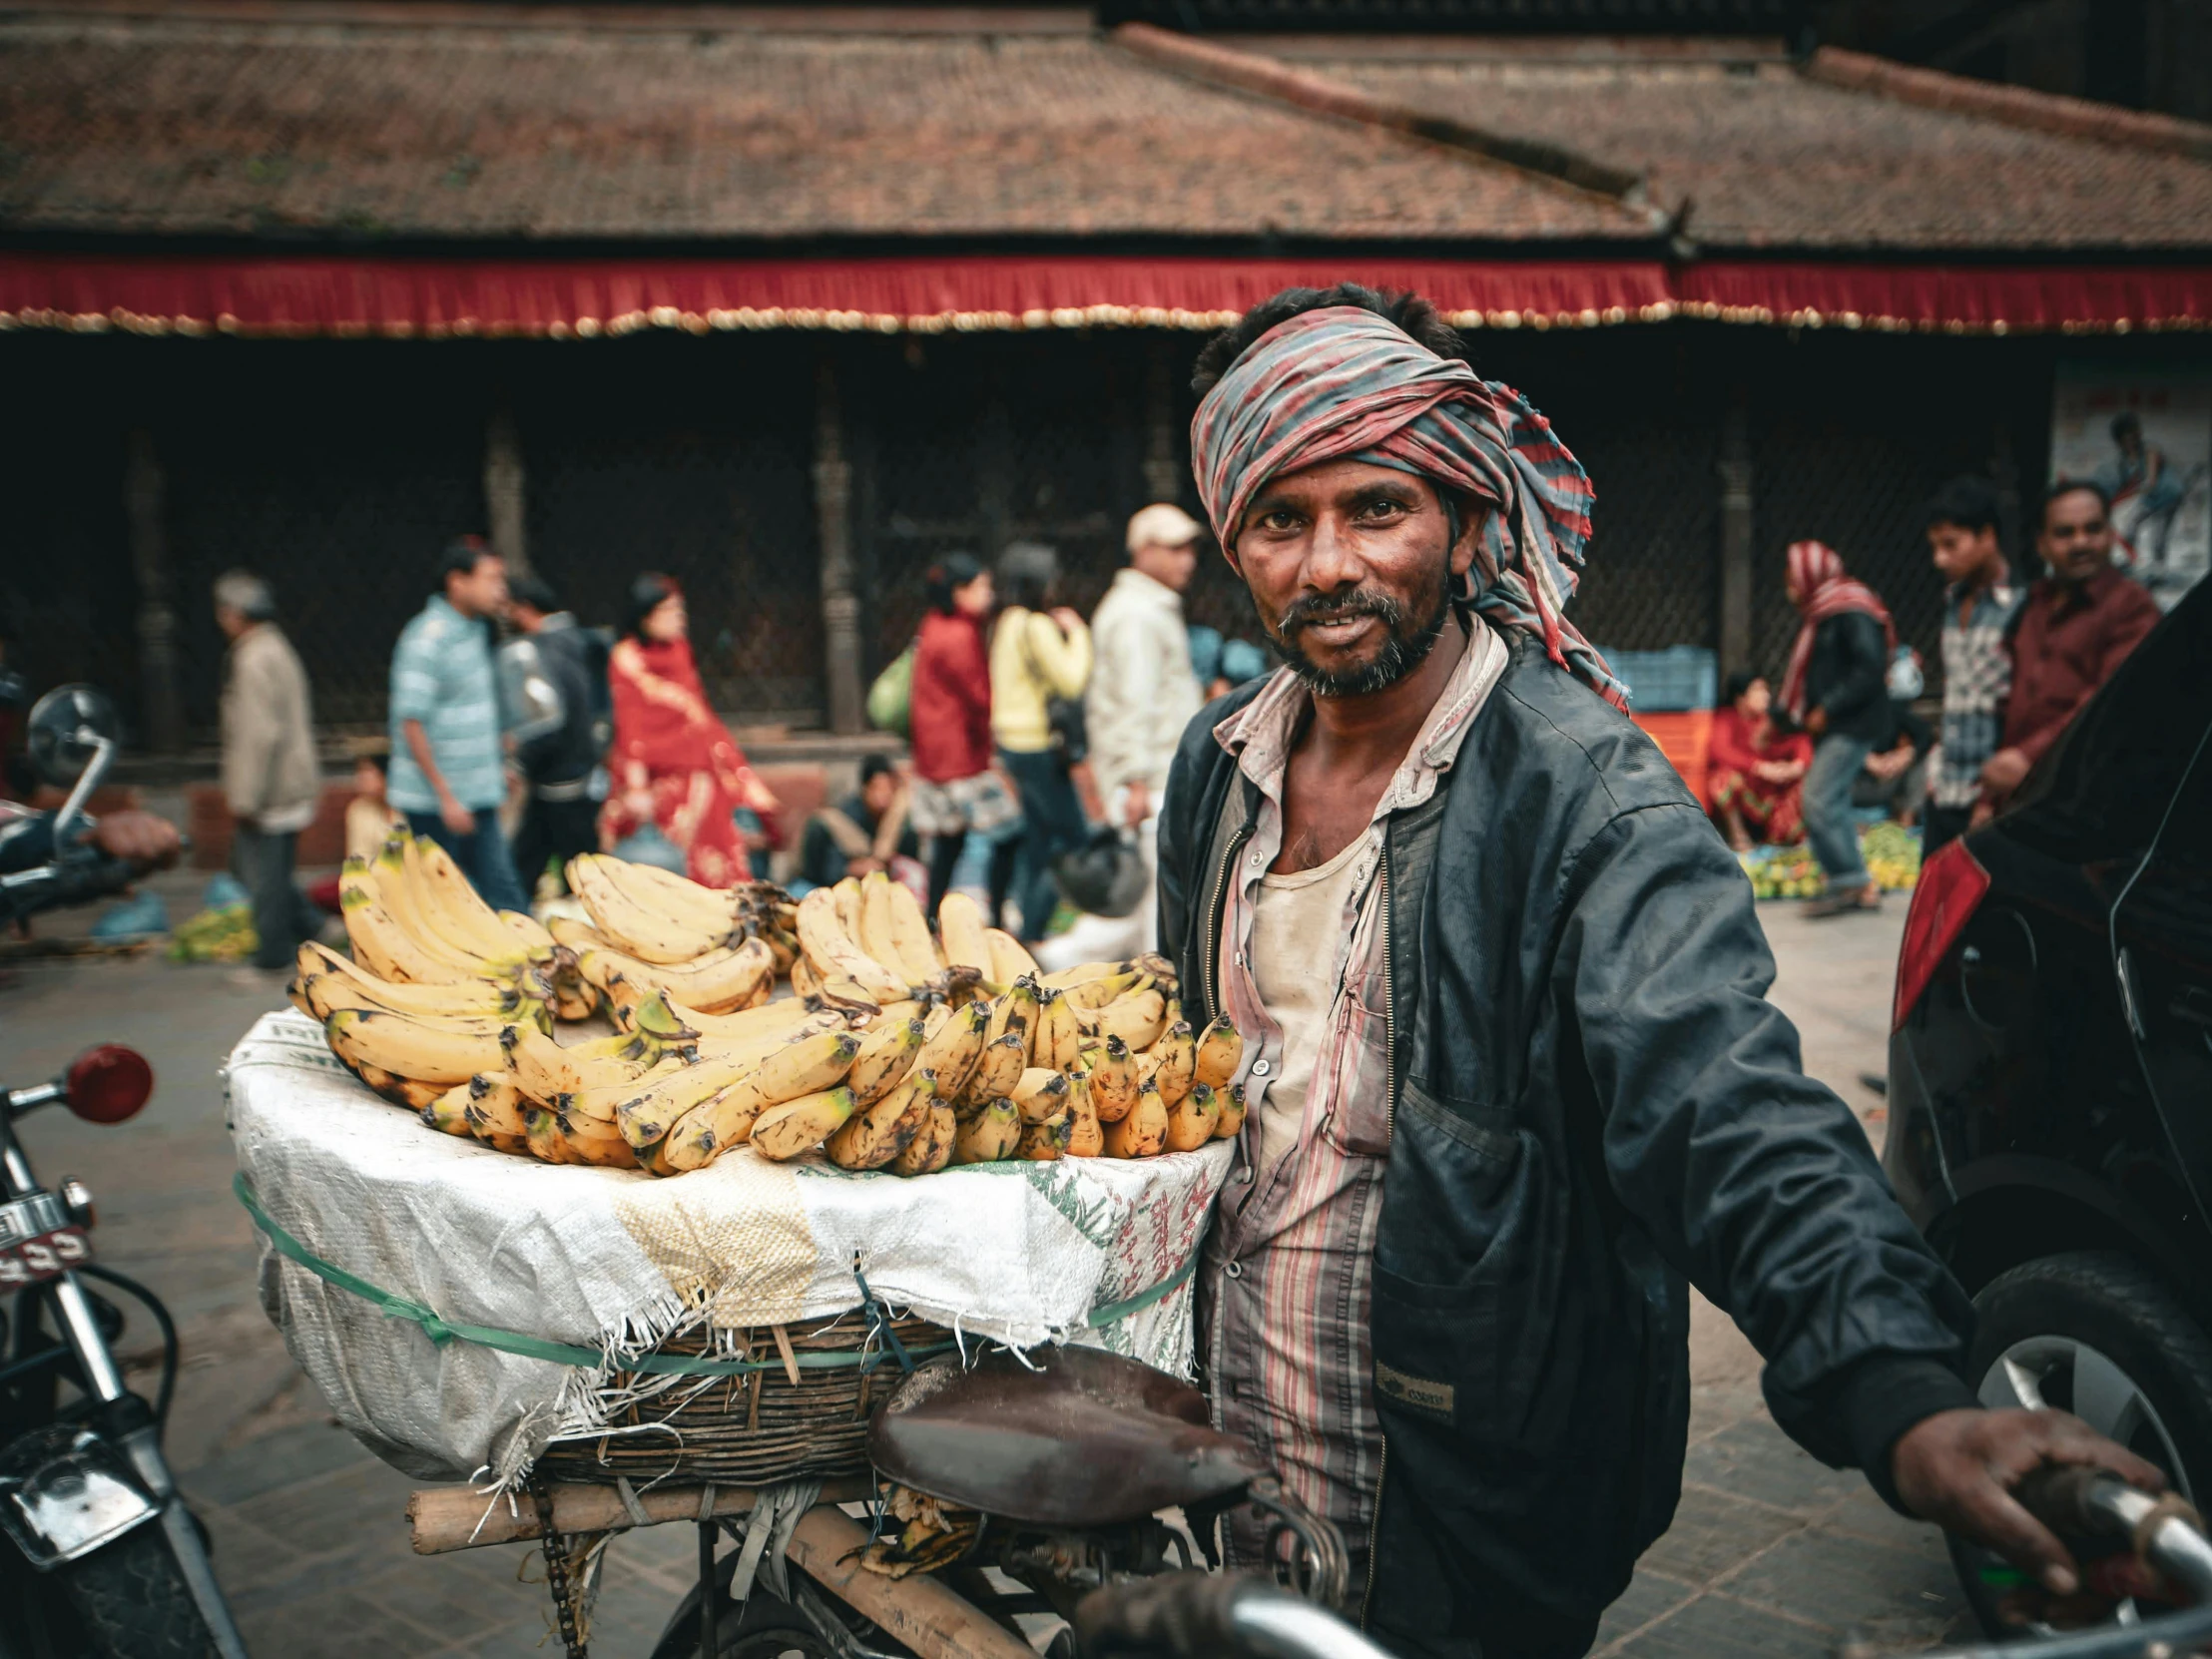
430	296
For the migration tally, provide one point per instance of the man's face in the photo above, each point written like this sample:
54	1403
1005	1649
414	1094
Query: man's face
877	791
1959	552
1170	566
482	591
2077	541
1351	568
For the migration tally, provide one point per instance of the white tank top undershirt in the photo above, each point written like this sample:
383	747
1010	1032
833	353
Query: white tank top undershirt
1297	935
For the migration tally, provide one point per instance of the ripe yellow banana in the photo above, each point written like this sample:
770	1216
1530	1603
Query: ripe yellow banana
1046	1142
544	1137
995	1074
1066	979
712	909
447	904
323	994
960	929
876	1134
726	1117
1014	1012
910	934
715	983
777	1022
1230	1124
546	1070
1144	1132
1086	1136
400	1091
833	954
495	1105
887	1053
954	1048
796	1127
1060	1039
1113	1081
1009	962
531	931
1093	994
876	936
932	1148
384	947
448	1114
502	995
635	925
416	1047
576	933
1137	1019
386	875
1193	1119
585	1147
845	900
1040	1093
989	1135
1176	1071
1219	1052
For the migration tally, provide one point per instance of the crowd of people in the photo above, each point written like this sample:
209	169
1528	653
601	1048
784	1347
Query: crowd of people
1842	736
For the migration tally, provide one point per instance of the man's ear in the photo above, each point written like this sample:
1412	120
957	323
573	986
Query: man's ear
1469	517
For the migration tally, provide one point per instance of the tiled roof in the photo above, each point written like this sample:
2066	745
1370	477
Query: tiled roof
1769	157
564	130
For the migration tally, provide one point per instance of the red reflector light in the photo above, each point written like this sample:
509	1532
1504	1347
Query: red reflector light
1951	886
108	1083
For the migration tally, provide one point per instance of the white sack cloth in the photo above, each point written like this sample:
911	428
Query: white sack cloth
610	1259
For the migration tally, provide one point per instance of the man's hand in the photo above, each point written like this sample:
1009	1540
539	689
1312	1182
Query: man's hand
1067	617
1959	1468
138	839
1136	802
454	815
861	867
2001	772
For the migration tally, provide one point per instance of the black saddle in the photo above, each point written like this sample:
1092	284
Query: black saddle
1076	1438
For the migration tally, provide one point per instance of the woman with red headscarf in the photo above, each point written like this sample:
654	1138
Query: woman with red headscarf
1836	690
675	764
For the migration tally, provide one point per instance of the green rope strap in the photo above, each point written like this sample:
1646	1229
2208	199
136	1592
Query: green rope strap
442	1330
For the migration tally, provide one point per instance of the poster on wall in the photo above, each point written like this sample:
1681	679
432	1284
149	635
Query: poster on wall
2147	436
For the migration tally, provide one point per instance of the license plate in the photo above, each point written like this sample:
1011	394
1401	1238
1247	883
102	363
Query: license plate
38	1242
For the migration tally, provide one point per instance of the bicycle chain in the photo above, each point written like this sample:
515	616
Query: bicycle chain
556	1571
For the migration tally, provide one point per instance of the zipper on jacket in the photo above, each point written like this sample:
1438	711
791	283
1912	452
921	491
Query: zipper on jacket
1390	1130
1212	958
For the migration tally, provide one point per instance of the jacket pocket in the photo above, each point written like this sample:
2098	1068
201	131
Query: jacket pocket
1359	1120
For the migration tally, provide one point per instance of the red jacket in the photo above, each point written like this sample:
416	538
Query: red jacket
951	708
2065	643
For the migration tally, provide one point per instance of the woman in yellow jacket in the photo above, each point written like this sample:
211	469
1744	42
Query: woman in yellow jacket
1040	652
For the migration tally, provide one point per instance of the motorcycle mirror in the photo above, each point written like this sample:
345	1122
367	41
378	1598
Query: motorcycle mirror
65	727
109	1084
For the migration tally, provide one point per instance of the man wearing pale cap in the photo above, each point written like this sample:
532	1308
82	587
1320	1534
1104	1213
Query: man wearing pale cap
1513	1080
1142	693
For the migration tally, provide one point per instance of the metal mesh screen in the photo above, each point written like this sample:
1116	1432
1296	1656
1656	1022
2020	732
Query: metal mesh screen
692	459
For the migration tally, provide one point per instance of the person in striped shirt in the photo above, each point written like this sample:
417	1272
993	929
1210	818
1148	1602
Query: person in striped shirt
1980	600
448	771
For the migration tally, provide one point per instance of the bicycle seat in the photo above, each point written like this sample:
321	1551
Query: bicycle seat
1084	1438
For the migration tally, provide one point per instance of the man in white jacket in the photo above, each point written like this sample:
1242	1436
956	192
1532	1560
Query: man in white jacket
1142	693
271	778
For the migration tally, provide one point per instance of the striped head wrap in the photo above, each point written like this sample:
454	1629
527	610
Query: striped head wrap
1825	589
1343	381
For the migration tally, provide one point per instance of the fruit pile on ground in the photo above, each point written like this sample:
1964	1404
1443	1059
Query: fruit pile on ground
896	1051
1891	854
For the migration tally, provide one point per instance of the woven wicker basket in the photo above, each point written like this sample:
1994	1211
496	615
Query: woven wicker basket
755	1427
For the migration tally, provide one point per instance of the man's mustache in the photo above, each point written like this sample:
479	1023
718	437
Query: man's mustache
1323	608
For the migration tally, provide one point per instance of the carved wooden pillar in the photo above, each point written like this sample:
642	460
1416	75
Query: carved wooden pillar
841	607
503	490
161	711
1736	533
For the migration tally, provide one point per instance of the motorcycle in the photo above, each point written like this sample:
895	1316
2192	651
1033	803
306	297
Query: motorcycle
106	1559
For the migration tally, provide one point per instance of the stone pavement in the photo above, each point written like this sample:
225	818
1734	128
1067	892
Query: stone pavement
1771	1554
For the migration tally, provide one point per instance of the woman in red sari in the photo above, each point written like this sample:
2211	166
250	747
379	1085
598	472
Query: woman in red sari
1755	775
674	764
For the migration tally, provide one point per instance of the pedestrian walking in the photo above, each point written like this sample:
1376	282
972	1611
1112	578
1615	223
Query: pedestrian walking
675	766
1514	1082
561	754
862	833
1979	600
955	791
1142	692
2075	626
1834	690
1040	663
447	773
272	781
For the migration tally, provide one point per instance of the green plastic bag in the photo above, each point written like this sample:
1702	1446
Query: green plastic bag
890	700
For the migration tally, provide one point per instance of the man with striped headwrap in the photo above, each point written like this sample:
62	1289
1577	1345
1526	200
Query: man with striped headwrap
1512	1076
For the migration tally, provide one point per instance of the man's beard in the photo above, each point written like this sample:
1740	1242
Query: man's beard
1405	649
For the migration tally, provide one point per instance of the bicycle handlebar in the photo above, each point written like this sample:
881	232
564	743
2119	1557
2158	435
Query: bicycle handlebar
1199	1616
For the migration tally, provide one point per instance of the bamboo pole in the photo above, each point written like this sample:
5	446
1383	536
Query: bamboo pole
446	1519
925	1614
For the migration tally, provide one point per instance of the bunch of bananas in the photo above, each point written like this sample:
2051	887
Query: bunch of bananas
898	1051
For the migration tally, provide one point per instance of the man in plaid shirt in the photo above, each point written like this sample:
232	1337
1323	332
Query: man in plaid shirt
1980	602
1513	1079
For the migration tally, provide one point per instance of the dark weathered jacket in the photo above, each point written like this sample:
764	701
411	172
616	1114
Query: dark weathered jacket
1593	1100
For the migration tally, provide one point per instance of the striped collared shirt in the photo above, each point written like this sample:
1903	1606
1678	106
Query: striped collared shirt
1978	673
442	674
1284	1294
